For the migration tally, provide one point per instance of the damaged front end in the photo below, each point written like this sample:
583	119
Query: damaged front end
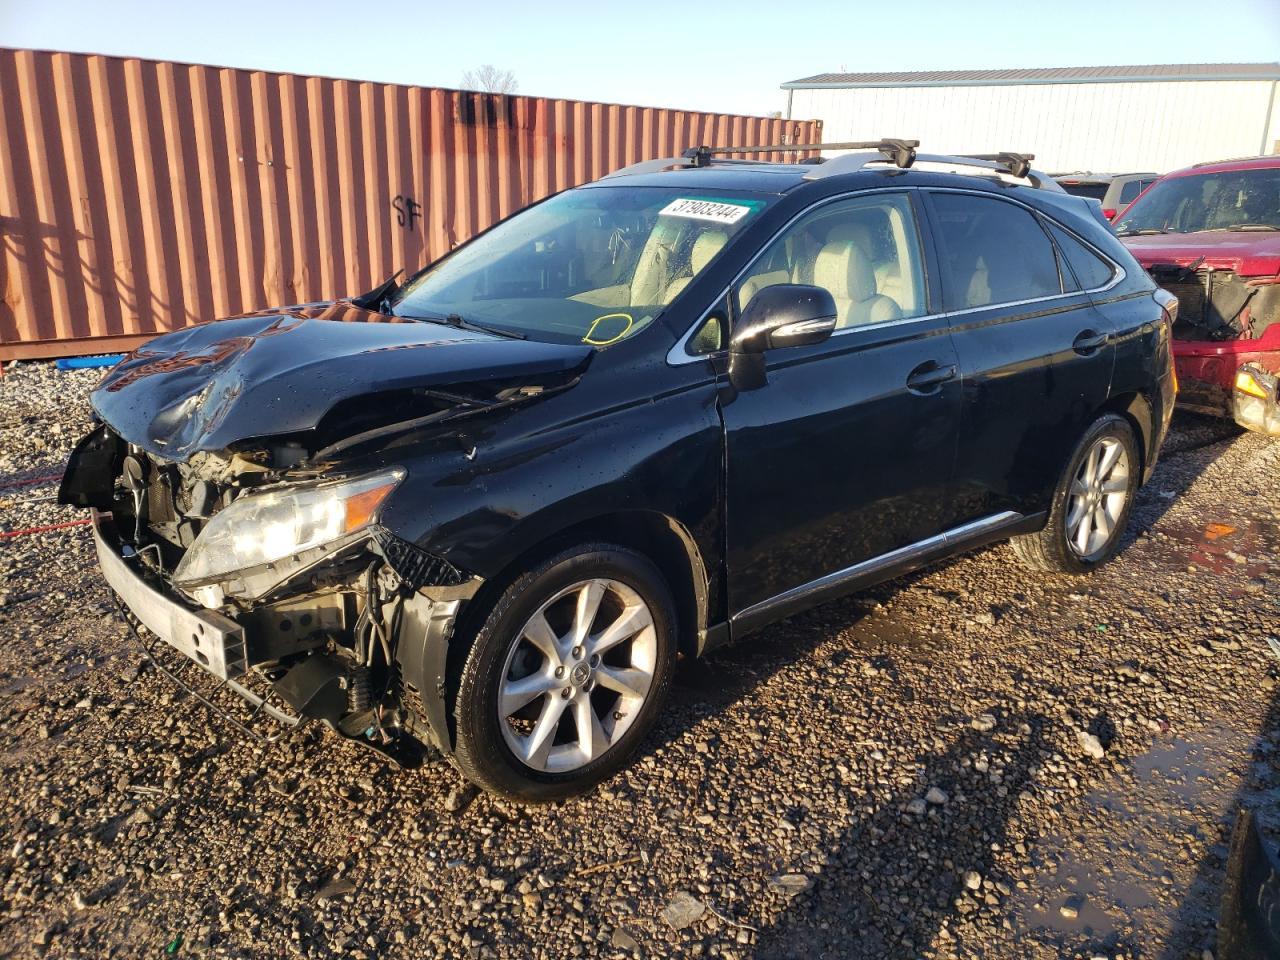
280	583
239	479
1226	342
1218	304
1256	400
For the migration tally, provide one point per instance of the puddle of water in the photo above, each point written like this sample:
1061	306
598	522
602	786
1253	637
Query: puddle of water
1131	856
1187	768
1100	897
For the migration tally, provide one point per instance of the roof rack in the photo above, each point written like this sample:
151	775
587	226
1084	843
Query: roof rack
901	153
1016	165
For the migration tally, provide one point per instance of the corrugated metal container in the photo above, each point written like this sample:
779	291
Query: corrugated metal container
140	196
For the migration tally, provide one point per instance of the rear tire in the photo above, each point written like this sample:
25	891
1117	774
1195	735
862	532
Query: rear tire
1091	505
566	676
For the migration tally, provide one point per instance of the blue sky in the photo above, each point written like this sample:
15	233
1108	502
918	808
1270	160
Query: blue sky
691	54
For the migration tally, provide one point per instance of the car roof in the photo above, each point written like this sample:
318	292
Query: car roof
1102	177
853	173
718	175
1229	166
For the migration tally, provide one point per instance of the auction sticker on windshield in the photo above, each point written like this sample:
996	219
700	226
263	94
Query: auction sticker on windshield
705	210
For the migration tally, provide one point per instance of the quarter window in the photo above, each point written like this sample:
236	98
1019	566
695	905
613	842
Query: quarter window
1090	269
864	251
992	252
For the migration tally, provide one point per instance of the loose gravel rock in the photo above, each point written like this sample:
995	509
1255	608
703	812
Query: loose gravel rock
786	791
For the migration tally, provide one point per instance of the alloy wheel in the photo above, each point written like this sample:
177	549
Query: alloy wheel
577	675
1097	497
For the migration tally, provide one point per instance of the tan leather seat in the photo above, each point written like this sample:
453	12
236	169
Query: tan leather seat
843	270
708	244
888	274
653	272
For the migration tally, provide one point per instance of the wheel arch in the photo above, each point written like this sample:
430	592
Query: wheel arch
1137	409
662	539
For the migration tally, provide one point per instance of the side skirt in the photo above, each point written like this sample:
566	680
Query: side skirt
887	566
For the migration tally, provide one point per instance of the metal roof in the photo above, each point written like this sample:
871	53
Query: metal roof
1040	75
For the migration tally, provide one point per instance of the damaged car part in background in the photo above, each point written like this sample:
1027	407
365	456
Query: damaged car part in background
488	508
1210	235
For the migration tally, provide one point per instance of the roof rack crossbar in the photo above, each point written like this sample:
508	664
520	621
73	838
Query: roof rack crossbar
901	152
1016	164
1011	164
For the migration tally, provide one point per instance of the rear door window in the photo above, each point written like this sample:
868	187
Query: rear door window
992	252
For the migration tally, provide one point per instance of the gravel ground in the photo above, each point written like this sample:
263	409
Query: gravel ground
971	762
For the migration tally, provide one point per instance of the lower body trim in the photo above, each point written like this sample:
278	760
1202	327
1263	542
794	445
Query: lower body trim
884	567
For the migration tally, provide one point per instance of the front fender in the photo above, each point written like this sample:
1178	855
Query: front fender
496	499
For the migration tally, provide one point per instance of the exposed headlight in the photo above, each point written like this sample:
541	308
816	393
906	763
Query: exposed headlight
1249	382
263	527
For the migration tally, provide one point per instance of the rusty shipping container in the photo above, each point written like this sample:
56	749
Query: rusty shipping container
139	196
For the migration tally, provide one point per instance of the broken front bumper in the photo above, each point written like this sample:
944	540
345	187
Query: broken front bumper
205	636
314	688
1209	372
1256	400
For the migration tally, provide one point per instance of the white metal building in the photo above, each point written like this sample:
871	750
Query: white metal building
1112	119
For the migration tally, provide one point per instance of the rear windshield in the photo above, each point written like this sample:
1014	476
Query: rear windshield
1244	200
1095	191
594	265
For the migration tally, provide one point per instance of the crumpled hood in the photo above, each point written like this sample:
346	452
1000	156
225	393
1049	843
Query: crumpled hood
1249	254
280	372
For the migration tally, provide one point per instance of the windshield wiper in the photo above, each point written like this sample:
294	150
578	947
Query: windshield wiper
1143	232
457	322
1243	227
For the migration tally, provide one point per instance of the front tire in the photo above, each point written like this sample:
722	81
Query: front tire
1091	504
566	675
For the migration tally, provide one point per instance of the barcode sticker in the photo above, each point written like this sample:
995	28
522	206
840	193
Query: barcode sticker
705	210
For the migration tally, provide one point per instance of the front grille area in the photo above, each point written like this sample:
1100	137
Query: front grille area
160	508
1211	303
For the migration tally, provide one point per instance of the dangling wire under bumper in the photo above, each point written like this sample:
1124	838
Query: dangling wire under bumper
155	649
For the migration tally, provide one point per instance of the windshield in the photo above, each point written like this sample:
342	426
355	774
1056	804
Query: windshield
1239	200
594	265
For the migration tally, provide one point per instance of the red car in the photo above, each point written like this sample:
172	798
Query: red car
1210	235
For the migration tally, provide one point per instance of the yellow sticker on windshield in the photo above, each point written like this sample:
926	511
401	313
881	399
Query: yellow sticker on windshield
589	337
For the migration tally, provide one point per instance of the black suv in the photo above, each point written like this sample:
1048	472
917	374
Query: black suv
485	510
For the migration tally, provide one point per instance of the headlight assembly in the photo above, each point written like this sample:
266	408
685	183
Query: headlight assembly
261	528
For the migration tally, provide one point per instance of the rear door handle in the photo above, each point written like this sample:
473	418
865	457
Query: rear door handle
929	376
1088	341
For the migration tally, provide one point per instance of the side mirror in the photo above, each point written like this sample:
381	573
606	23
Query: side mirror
783	315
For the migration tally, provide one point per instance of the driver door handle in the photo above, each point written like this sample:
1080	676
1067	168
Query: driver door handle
930	375
1088	341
